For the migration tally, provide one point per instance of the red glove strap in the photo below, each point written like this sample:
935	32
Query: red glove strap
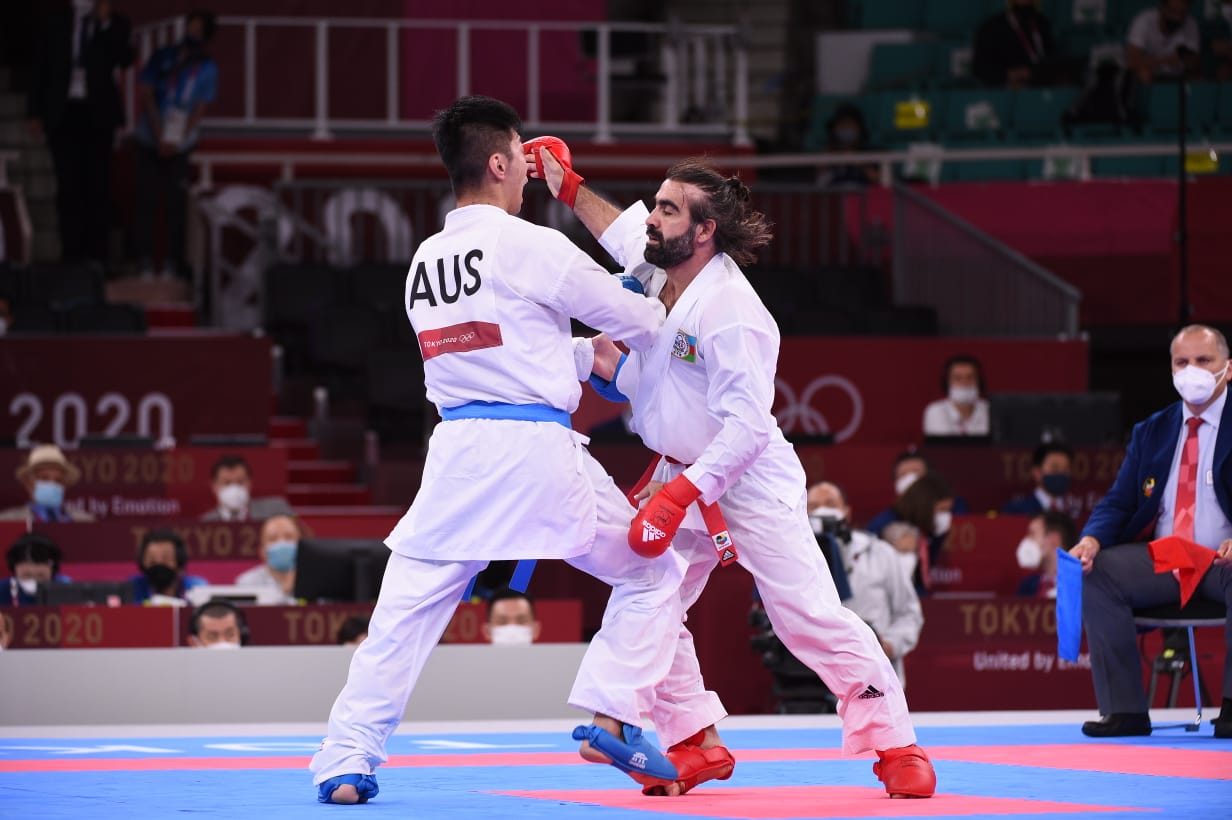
569	188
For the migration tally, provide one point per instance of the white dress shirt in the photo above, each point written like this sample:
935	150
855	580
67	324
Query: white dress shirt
1211	526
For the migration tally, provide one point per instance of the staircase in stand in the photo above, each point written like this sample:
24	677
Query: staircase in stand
313	482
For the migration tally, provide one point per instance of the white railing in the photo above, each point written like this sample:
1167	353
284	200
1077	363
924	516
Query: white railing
699	69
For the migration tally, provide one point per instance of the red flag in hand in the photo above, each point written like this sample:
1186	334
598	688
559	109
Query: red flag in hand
655	525
1184	559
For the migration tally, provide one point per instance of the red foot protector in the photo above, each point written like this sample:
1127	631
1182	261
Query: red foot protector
906	772
695	765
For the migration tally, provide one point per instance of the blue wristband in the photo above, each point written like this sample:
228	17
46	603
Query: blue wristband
607	389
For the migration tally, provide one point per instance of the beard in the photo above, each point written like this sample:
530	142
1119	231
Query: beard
670	252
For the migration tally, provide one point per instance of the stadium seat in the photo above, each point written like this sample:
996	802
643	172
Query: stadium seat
958	19
382	287
65	285
295	294
342	336
104	318
1223	109
902	65
976	115
396	398
985	170
952	67
34	318
881	14
1035	113
1127	166
1163	107
822	108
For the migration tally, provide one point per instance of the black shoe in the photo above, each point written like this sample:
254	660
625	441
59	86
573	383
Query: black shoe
1121	724
1223	723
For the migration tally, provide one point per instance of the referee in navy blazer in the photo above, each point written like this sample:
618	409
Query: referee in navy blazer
1142	506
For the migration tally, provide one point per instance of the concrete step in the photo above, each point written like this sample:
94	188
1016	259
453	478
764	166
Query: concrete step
299	449
320	472
288	427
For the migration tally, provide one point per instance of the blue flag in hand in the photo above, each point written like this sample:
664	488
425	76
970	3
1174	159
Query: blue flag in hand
1069	606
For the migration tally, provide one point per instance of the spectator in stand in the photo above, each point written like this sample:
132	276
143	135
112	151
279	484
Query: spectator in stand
280	535
217	624
905	539
927	505
881	593
231	480
33	559
963	411
46	475
1052	463
1037	552
1163	42
176	84
909	465
1010	46
162	559
73	101
847	133
511	619
1221	43
353	631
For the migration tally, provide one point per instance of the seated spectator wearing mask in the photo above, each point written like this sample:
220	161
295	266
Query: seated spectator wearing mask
847	133
231	480
927	505
1052	463
1163	42
909	465
1037	552
280	537
162	559
511	619
881	592
217	624
962	412
1008	46
33	559
353	631
46	475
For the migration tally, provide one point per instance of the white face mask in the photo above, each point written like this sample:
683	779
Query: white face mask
1195	384
234	497
908	560
28	585
1030	553
816	516
942	522
903	482
513	634
964	395
222	645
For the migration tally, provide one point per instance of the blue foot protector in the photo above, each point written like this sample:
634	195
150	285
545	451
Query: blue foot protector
365	784
634	755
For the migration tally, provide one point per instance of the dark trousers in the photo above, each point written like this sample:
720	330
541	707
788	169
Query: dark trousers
81	152
161	180
1122	580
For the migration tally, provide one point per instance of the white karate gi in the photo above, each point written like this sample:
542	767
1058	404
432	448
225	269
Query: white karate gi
703	395
491	306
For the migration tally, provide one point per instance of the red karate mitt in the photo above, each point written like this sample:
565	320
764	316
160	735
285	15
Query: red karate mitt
655	525
572	181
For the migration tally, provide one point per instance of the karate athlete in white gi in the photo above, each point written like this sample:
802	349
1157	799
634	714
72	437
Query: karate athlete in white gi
490	298
701	397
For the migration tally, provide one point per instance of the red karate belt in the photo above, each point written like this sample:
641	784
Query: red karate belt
716	526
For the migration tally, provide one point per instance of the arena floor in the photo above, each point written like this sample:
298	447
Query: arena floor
1004	764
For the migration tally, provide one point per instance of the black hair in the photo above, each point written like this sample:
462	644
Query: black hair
159	536
841	492
739	230
910	454
352	628
507	594
1062	525
847	111
218	608
35	548
1046	449
962	358
209	22
918	504
468	133
229	461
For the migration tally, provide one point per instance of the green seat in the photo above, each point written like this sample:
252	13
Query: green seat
953	64
958	17
902	65
1035	113
1163	107
977	115
1127	166
985	170
891	14
1223	109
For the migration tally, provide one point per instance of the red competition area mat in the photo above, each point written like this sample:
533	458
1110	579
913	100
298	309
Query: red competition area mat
1047	771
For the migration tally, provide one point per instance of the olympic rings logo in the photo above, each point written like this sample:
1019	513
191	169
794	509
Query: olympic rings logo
798	415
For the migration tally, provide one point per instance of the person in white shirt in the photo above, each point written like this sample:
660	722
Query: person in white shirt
701	397
279	543
231	482
963	411
490	298
881	591
1163	42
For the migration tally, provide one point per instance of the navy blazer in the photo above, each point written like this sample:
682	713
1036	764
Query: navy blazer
1022	505
1133	502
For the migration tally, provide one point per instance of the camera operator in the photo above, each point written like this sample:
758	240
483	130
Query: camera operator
881	591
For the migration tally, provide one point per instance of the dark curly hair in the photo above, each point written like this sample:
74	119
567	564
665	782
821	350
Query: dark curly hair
739	230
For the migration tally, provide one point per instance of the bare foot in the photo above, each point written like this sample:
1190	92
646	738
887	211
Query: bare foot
346	795
593	755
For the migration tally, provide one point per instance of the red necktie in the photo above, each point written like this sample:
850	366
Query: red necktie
1187	484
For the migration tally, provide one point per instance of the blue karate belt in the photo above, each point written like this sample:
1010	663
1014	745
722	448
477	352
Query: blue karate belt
515	412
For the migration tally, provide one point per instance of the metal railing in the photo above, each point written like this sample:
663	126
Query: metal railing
977	285
700	73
